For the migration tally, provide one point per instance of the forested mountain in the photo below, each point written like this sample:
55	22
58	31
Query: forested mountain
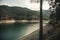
19	13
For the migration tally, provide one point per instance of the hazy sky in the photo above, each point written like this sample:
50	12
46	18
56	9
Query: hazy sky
24	3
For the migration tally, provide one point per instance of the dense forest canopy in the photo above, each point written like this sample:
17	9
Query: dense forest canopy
19	13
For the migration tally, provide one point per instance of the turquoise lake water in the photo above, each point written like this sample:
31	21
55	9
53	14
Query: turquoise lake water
16	30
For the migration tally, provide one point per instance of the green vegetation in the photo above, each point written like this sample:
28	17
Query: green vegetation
19	13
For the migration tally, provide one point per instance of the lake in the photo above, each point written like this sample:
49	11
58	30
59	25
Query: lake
16	30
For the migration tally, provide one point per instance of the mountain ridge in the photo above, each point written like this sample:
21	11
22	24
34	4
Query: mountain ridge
19	13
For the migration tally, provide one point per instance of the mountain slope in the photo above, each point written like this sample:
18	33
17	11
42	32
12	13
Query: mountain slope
19	13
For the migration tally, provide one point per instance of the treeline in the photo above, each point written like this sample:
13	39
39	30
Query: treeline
19	13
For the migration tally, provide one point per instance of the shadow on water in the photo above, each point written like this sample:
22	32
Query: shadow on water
13	31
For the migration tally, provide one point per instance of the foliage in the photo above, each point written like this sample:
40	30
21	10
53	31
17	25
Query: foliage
55	20
19	13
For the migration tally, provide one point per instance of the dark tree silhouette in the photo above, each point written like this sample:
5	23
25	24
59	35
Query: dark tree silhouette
55	10
41	18
55	18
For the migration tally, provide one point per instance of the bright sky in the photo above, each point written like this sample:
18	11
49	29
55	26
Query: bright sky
25	3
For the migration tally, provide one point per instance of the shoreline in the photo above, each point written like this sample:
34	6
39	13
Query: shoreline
35	32
21	21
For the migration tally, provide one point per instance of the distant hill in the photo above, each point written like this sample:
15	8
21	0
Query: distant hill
19	13
46	14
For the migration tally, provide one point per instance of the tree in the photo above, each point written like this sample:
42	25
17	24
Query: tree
55	11
41	18
55	18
